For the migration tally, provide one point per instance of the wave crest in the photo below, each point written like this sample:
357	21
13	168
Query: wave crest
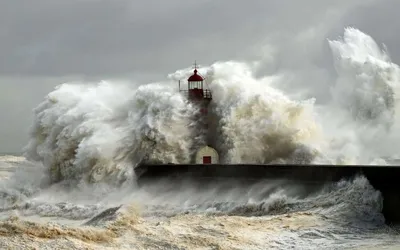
98	132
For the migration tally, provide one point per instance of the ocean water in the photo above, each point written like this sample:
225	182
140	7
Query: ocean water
74	187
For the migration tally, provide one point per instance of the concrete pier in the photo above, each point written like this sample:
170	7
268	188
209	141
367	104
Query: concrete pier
383	178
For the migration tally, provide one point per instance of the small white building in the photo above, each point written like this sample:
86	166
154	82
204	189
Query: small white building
207	155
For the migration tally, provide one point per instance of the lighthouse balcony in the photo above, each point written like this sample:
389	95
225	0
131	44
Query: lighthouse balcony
197	94
207	94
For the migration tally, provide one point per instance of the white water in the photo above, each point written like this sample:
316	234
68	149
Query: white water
87	138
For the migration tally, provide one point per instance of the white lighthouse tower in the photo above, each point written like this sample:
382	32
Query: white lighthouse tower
201	97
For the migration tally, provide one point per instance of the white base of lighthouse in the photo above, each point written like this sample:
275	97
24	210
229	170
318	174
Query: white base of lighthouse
207	155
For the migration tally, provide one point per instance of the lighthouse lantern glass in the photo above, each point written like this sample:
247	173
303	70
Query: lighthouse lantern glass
196	85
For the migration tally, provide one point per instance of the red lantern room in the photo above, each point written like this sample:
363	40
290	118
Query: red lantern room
196	87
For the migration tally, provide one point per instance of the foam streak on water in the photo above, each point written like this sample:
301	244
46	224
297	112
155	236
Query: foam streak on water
76	187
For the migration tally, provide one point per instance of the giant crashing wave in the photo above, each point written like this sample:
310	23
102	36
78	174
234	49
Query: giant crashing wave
98	132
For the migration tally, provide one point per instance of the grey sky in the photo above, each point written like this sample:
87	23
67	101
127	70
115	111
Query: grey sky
45	42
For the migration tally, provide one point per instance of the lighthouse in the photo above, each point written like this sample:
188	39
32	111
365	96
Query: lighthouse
200	96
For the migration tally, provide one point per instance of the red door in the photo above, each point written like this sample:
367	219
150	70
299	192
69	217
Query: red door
206	159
